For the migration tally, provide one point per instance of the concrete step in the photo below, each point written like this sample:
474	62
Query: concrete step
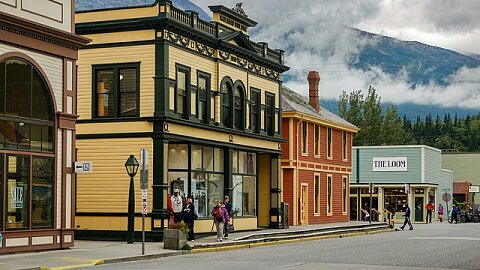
290	234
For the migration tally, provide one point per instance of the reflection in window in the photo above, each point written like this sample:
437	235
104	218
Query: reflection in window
226	104
178	156
42	192
105	93
178	180
128	92
255	109
329	194
244	183
18	85
395	197
218	159
202	99
215	189
269	114
181	93
17	210
116	90
238	108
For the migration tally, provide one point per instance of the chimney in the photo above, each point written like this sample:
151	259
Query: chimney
313	80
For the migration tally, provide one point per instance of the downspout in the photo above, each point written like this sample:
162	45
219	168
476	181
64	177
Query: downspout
296	198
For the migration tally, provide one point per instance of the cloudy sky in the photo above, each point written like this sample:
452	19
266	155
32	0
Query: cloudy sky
316	29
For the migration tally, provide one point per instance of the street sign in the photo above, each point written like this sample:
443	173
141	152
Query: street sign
83	166
144	202
446	197
474	189
144	168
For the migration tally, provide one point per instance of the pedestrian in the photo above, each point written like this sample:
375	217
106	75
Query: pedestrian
440	212
430	208
220	217
177	206
189	216
407	218
455	212
228	207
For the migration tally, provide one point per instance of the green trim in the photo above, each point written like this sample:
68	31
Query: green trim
181	138
162	22
246	133
119	44
188	90
162	82
114	135
159	185
270	96
112	120
116	87
208	79
258	93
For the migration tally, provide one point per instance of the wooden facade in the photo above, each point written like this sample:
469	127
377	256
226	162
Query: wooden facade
200	96
38	52
316	161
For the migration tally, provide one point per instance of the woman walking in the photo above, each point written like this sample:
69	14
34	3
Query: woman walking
440	212
189	217
220	217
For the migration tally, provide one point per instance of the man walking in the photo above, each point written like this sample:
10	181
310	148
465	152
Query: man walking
430	209
407	218
228	207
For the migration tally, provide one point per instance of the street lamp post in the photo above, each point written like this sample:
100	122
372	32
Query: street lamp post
132	167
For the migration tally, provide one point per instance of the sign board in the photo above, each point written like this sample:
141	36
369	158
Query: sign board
16	198
474	189
143	168
144	202
83	166
446	197
389	164
407	188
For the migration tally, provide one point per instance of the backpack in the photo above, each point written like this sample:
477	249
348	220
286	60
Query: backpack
218	214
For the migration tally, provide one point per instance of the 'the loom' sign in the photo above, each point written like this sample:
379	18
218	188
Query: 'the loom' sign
390	164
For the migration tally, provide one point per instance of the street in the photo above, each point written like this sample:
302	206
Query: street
428	246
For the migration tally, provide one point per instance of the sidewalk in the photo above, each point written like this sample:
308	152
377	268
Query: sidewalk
89	253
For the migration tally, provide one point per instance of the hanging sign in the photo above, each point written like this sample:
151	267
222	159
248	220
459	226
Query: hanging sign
474	189
144	202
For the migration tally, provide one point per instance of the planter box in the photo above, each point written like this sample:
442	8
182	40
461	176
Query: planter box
174	239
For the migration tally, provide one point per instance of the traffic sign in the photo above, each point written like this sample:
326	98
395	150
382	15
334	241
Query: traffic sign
143	168
446	197
83	166
474	189
144	202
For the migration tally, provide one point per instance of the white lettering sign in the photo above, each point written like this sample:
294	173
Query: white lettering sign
474	189
83	166
390	164
144	202
16	197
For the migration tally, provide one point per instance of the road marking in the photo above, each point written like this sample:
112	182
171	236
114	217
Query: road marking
445	238
92	263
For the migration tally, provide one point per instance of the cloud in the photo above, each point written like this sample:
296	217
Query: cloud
317	36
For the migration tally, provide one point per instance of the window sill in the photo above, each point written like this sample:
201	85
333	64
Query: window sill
317	156
329	214
344	213
345	160
330	158
317	215
304	154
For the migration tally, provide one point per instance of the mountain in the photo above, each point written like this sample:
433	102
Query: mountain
423	63
83	5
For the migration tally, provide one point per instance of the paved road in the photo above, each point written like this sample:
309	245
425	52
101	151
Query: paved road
432	246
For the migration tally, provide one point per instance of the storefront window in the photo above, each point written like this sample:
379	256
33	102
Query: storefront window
215	190
396	198
208	159
199	193
244	183
178	180
178	156
218	159
42	192
17	192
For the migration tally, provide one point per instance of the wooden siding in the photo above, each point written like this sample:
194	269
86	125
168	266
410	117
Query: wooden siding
196	63
117	55
106	188
117	14
125	36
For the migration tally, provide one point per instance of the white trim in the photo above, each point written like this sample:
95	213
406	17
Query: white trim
422	166
398	146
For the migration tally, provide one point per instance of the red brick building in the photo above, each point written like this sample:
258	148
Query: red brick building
316	159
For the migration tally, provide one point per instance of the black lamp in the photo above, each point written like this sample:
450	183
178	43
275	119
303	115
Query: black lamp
132	167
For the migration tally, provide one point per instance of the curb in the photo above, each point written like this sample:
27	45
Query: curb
269	242
288	241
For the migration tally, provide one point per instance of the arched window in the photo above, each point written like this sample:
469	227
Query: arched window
26	109
227	104
238	104
26	125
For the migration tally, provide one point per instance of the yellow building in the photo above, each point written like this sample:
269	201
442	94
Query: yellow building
200	96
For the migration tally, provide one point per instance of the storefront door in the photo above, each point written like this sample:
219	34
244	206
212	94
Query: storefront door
419	209
304	205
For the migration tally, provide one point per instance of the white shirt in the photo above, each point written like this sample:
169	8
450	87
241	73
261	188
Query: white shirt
177	204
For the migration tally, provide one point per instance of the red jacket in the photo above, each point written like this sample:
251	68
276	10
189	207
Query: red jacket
430	207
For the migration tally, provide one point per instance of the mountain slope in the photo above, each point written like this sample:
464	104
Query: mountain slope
423	63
